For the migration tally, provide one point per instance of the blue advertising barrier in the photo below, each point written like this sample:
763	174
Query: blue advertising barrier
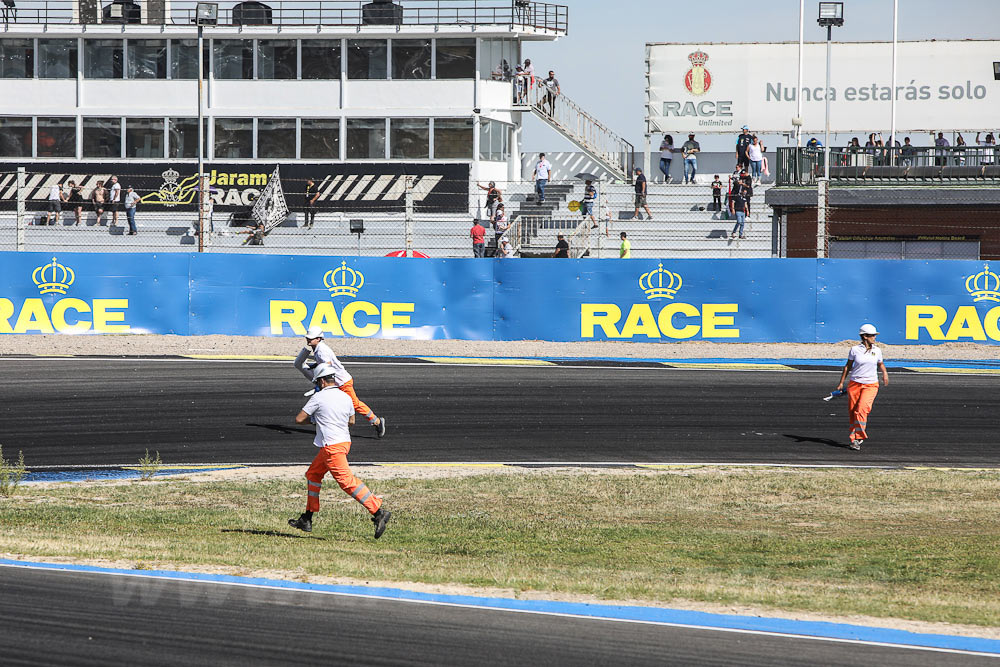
763	300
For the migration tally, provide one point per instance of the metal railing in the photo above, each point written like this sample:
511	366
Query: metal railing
514	13
901	165
569	119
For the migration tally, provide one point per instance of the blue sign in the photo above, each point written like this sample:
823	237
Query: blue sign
761	300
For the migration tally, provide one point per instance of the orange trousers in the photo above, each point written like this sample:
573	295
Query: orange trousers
333	459
359	407
860	398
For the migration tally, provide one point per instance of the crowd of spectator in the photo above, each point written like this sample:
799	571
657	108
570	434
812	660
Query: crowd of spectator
878	150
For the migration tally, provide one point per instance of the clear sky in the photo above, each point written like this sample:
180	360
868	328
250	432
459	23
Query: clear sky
600	64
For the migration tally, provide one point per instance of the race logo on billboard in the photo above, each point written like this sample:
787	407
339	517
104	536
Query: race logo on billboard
983	286
53	277
660	283
344	281
698	79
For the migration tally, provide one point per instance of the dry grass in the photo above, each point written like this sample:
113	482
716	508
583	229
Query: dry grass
917	545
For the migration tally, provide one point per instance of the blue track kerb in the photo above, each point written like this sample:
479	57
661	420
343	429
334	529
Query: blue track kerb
805	629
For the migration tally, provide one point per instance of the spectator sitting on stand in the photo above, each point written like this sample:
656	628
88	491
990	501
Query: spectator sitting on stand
504	249
256	235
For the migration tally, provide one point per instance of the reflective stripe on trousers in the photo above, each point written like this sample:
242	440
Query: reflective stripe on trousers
333	459
860	398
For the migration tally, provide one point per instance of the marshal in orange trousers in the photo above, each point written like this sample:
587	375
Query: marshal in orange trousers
333	459
359	406
860	398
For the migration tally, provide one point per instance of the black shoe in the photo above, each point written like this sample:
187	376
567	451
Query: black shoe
380	428
303	524
380	519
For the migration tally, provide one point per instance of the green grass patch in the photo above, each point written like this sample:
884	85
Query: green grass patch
918	545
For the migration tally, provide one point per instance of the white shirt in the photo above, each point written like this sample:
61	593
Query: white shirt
55	194
330	409
666	150
505	249
753	152
324	355
542	169
864	370
116	192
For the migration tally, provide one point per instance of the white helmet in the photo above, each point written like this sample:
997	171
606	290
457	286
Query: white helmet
868	329
314	332
326	370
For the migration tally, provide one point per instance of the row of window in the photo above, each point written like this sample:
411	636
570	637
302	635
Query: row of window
45	58
244	138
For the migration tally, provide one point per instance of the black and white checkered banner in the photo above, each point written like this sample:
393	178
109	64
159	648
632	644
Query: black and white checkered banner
270	208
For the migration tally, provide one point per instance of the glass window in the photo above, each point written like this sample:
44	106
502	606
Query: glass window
456	58
233	138
56	137
320	138
57	58
320	58
276	59
275	137
233	58
365	138
453	138
102	137
494	140
410	138
17	58
498	59
102	58
184	59
15	136
144	137
182	137
147	59
411	59
367	59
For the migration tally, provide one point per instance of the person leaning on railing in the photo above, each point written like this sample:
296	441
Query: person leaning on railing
987	148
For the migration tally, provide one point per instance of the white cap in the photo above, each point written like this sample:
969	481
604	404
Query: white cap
867	329
326	370
314	332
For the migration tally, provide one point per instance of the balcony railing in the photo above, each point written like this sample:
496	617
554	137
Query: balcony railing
522	14
970	165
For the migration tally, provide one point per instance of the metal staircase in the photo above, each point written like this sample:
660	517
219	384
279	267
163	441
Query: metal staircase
570	120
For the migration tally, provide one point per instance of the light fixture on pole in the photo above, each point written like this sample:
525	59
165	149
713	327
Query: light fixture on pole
996	71
830	14
205	13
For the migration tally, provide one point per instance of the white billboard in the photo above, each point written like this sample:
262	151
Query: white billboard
940	86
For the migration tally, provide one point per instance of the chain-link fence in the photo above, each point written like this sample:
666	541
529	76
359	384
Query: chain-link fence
374	215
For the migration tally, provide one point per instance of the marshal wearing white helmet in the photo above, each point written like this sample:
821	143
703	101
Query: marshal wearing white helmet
864	362
325	358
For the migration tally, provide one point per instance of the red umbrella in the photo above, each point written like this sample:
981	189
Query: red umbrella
402	253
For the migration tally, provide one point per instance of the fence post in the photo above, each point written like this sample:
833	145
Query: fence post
20	209
822	204
409	215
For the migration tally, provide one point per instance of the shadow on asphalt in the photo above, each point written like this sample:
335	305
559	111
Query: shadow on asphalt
281	428
272	533
822	441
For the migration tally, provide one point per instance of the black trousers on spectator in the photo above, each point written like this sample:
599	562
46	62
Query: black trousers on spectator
310	212
717	200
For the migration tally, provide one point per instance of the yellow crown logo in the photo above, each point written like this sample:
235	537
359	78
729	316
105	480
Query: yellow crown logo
660	283
984	286
53	277
344	281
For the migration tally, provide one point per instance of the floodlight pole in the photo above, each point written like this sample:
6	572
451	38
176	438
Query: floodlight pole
826	141
201	142
892	127
798	92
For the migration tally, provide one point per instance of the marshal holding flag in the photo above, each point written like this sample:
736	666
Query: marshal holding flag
270	209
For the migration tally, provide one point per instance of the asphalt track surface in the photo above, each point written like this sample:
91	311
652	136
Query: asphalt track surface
79	412
80	619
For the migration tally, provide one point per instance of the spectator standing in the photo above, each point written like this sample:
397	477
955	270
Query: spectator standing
528	74
738	207
256	235
690	151
587	205
519	85
755	154
743	141
115	200
99	199
747	188
640	194
56	199
131	201
478	235
493	197
907	152
666	156
542	170
625	249
942	149
309	200
717	193
500	225
562	248
552	91
960	149
987	148
75	200
504	249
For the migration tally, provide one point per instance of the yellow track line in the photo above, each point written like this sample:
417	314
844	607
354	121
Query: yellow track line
945	369
251	357
727	365
487	361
